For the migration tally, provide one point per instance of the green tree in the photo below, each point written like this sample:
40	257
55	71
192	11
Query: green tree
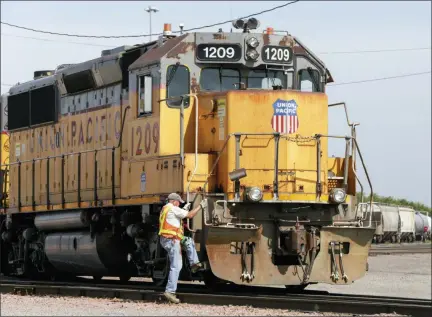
396	201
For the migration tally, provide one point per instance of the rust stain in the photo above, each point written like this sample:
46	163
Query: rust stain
299	50
182	48
219	36
287	41
195	85
156	53
266	38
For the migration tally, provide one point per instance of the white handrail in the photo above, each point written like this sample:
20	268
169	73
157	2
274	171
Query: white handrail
196	146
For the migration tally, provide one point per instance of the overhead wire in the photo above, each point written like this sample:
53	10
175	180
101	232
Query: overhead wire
144	35
379	51
51	40
377	79
323	53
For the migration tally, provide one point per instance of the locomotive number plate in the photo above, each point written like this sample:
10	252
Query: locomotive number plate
219	52
277	54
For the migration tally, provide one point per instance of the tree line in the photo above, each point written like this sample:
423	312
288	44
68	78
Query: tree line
396	201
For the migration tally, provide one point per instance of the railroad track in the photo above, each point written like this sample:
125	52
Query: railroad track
400	249
263	297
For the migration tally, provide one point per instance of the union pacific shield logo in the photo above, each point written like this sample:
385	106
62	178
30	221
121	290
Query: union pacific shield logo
285	119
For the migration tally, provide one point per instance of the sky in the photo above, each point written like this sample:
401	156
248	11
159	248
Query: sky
394	134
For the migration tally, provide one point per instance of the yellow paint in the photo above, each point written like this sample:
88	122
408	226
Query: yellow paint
4	159
150	150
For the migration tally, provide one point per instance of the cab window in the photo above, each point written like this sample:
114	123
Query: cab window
266	79
309	80
145	94
177	84
219	79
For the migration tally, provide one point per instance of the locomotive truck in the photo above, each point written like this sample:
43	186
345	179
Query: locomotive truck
239	119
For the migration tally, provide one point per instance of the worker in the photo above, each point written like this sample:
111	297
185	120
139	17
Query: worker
172	239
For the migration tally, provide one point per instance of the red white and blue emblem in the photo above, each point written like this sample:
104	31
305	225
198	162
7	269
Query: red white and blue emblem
285	119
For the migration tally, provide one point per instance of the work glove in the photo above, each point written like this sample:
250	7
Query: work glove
203	204
187	206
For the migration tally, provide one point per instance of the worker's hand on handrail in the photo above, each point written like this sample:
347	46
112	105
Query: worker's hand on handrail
203	204
187	206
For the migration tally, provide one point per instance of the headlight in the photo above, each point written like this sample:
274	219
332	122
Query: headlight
252	54
338	195
252	42
255	194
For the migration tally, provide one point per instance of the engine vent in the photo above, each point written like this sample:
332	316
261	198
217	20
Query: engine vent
116	50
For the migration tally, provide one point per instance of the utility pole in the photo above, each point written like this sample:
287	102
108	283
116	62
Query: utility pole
150	10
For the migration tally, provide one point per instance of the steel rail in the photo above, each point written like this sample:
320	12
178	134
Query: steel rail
414	249
264	297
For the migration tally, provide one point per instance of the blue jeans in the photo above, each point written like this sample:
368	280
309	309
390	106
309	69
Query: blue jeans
173	248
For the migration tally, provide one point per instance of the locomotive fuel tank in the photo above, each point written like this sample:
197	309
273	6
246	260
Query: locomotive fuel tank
80	254
61	221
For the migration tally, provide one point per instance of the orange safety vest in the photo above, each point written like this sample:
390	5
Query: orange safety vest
165	229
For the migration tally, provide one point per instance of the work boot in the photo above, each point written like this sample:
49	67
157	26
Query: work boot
171	297
195	267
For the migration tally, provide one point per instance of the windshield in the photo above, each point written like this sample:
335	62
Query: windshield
219	79
222	79
266	79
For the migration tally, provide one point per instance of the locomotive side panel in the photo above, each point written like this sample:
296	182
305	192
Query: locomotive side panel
78	130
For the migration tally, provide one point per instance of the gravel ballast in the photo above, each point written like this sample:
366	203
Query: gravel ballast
389	275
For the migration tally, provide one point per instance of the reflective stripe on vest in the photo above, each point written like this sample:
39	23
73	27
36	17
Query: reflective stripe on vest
167	230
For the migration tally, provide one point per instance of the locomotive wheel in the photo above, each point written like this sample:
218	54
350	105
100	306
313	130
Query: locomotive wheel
161	282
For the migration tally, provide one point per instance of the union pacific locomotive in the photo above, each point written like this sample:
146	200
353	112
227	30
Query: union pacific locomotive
238	119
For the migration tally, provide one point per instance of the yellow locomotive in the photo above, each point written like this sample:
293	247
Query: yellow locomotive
239	119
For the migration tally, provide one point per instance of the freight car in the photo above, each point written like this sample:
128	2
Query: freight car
407	216
429	228
237	119
421	226
385	219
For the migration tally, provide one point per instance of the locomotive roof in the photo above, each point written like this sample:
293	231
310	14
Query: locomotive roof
151	52
155	53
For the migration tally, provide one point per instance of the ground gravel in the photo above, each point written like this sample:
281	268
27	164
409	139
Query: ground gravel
389	275
403	275
16	305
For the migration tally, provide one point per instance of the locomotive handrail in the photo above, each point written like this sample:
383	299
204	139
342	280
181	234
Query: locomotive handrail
369	181
62	156
182	97
346	162
237	134
355	144
196	147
